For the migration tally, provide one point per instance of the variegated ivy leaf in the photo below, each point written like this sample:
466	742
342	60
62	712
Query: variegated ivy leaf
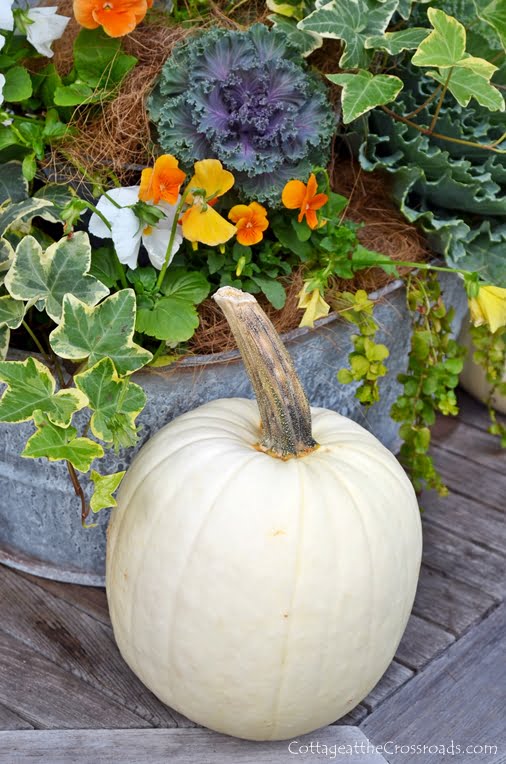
105	486
17	214
5	335
6	258
466	84
12	312
351	21
116	403
306	42
59	443
445	45
103	331
46	277
13	184
31	389
395	42
466	76
363	91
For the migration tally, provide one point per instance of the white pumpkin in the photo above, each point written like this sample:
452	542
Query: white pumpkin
257	582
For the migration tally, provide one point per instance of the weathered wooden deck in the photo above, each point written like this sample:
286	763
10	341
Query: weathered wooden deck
66	695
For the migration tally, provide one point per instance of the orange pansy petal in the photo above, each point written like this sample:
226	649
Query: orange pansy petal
145	193
312	186
238	212
311	218
318	201
83	12
116	23
249	236
294	194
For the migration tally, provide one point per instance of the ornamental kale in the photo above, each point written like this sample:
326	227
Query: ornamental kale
248	99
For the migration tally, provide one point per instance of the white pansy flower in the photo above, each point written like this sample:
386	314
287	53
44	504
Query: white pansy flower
2	41
6	15
2	83
128	232
44	26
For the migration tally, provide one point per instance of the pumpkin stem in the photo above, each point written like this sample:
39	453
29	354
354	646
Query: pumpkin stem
284	408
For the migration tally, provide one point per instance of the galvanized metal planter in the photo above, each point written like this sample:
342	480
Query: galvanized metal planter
40	528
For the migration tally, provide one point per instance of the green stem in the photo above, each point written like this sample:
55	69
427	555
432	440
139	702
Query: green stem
284	409
36	341
429	267
161	347
173	230
441	99
426	131
425	103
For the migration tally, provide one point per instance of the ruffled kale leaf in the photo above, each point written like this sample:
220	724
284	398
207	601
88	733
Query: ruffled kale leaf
247	99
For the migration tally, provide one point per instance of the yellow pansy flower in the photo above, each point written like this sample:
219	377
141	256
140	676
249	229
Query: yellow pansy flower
210	176
200	223
489	307
314	306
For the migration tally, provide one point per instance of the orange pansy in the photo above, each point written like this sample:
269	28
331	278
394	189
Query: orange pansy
161	182
251	221
298	195
117	17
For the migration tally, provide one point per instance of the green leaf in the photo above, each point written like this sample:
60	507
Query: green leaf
363	91
495	15
48	276
18	85
273	290
116	403
13	185
12	312
98	59
100	332
29	167
172	318
395	42
351	21
103	266
305	42
105	486
18	213
188	285
73	95
445	46
56	443
466	84
5	335
59	196
45	83
30	389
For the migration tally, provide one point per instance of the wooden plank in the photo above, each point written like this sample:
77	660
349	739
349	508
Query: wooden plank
181	747
77	643
470	479
11	721
395	676
451	604
49	697
464	561
459	697
421	643
474	445
90	599
467	518
354	717
474	412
